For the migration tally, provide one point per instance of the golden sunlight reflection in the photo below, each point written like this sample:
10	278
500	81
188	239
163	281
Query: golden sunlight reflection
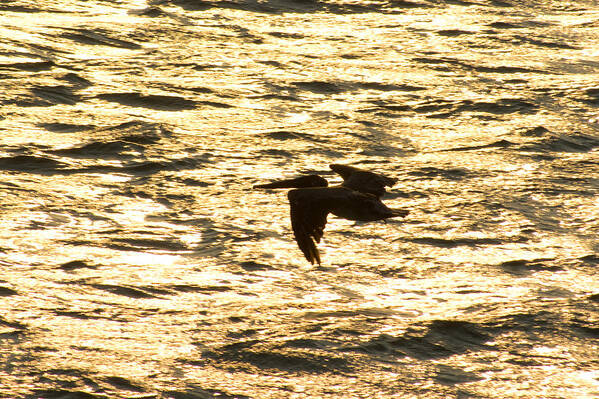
143	259
297	118
139	258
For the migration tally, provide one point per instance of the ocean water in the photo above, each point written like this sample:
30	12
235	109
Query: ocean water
136	260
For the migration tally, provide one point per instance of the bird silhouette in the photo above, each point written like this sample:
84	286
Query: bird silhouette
311	201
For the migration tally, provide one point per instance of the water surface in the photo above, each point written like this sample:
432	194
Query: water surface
137	262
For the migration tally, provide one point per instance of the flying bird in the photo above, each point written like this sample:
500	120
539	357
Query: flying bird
311	201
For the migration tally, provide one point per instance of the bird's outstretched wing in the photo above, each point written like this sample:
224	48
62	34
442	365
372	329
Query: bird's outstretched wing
363	180
308	219
302	181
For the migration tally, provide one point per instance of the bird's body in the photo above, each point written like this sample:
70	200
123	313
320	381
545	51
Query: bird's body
357	198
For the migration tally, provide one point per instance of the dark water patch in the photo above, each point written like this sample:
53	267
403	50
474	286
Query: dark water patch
199	393
496	144
132	136
271	96
253	6
590	96
273	152
200	89
499	107
535	323
591	332
56	95
375	313
592	259
32	66
453	32
555	292
139	132
81	315
308	343
157	102
5	291
63	394
593	298
454	242
13	336
31	163
99	150
504	69
145	167
435	61
76	81
525	267
395	4
151	12
307	6
464	3
578	186
20	8
376	149
551	44
76	264
196	183
431	172
272	63
504	25
208	289
251	354
319	87
70	372
137	244
450	64
458	336
216	239
123	384
440	339
215	104
445	109
537	131
437	108
449	375
385	109
203	67
516	81
87	36
573	142
60	127
241	334
388	87
367	123
283	135
12	324
11	186
123	290
594	91
501	3
252	266
520	24
286	35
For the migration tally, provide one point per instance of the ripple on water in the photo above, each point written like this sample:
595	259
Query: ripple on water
136	260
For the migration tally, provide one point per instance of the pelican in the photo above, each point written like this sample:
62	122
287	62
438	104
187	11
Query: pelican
311	200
